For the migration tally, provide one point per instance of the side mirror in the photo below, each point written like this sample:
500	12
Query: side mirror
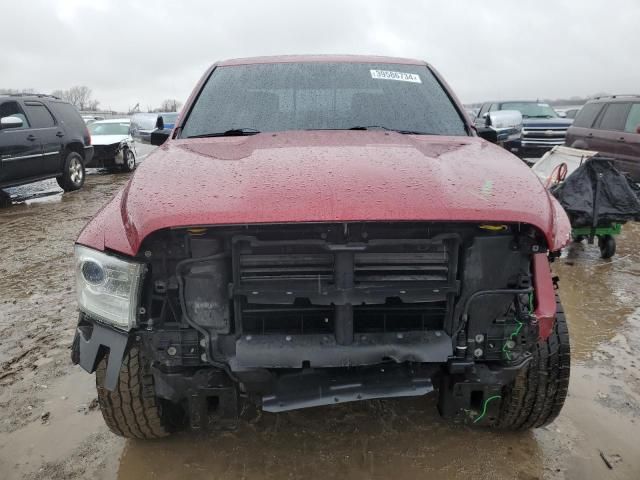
505	119
489	134
507	124
502	125
160	123
10	122
158	137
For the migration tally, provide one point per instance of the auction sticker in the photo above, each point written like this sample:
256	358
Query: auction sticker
400	76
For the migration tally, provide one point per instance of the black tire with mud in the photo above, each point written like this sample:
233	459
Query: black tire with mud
132	410
538	393
73	173
607	245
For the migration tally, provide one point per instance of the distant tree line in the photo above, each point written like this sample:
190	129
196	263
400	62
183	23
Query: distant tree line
558	101
13	91
168	105
81	97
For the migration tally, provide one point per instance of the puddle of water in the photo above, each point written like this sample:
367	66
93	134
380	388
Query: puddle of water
402	438
598	295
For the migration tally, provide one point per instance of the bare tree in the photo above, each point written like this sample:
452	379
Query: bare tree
93	105
79	96
170	105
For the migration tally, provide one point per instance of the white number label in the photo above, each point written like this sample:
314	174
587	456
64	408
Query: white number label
400	76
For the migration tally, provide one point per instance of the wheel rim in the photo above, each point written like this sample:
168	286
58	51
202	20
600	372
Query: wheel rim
131	160
75	171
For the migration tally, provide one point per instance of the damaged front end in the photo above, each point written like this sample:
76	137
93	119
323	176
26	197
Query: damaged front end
110	155
300	315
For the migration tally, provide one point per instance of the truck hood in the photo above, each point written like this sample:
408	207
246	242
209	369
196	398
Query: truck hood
97	140
547	122
324	176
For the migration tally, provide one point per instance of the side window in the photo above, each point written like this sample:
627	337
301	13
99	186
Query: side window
68	115
571	113
633	120
483	110
494	107
12	109
614	117
39	115
587	115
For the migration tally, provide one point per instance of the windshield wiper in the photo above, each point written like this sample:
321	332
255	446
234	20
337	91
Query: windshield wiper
234	132
404	132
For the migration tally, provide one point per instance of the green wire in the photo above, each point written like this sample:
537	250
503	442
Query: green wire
517	330
484	408
530	303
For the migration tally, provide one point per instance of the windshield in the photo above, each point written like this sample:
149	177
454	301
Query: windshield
99	128
169	117
531	109
145	121
320	96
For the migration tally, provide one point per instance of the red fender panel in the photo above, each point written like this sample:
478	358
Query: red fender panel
545	295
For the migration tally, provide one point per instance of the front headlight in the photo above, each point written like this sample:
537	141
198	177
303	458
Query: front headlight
108	287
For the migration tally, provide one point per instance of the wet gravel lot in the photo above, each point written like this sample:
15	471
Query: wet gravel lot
50	426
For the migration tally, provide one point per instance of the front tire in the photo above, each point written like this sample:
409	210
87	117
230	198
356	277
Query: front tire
129	161
538	393
132	410
73	173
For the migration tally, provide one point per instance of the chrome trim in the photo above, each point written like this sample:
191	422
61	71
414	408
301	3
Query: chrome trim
13	159
541	142
544	139
545	128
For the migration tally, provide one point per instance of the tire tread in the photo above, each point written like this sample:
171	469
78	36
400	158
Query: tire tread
132	410
538	393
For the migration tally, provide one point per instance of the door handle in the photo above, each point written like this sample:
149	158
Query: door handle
621	139
590	135
60	134
31	137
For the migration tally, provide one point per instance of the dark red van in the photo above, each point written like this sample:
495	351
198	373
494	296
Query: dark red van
610	125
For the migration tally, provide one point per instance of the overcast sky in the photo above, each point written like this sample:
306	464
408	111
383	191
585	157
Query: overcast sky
131	51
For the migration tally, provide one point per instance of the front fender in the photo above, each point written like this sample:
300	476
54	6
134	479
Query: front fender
561	226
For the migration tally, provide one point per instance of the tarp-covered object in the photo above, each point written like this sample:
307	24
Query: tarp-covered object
596	194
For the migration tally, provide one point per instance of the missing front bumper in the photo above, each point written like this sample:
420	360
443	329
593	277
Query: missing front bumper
298	351
315	388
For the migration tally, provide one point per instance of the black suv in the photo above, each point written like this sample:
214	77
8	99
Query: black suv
42	137
542	128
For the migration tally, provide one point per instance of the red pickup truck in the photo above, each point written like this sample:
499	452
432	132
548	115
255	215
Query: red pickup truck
318	230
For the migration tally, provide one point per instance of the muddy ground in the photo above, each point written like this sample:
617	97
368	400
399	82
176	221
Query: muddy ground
50	427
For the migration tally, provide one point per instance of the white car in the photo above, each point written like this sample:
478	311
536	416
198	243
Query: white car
113	145
89	119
